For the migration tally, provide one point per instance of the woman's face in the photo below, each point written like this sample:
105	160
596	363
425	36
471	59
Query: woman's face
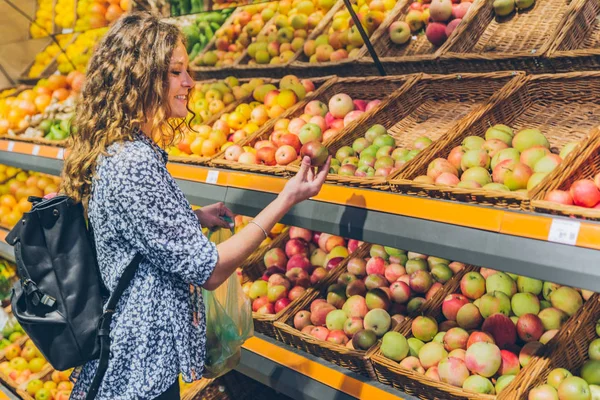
180	82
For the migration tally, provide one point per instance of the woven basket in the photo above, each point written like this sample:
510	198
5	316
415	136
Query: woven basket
585	164
577	46
486	42
243	68
355	360
433	106
389	372
214	72
418	55
570	351
41	141
565	107
302	61
369	88
253	270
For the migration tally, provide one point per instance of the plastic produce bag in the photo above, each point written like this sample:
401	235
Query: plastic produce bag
228	320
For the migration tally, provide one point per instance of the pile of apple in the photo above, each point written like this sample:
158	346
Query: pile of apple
305	135
374	295
561	384
504	8
583	193
288	31
22	362
342	39
439	18
490	330
234	38
58	387
240	222
269	102
208	99
503	161
375	154
305	259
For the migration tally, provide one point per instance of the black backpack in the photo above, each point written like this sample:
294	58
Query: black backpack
58	300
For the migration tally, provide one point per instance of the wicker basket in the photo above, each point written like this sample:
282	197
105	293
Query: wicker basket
577	46
17	137
245	69
419	54
569	350
486	42
389	372
565	107
585	164
302	61
253	270
355	360
433	106
369	88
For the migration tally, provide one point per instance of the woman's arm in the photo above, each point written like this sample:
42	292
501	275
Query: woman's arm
240	246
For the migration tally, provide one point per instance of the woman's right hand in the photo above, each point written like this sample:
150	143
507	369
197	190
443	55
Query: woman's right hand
306	183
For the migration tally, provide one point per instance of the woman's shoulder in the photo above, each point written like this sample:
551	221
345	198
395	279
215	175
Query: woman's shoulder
131	155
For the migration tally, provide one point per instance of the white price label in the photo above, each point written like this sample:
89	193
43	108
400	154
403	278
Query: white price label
212	176
563	231
61	154
11	146
36	150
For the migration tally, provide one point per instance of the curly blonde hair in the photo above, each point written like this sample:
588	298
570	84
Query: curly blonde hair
127	81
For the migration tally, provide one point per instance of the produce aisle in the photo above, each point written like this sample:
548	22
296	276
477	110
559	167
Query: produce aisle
453	252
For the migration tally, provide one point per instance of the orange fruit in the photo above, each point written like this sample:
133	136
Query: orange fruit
42	101
113	12
4	126
97	21
61	94
13	186
43	182
70	77
42	90
14	116
78	80
27	95
21	193
28	107
13	217
32	181
56	376
97	8
32	191
23	205
8	200
4	211
57	82
51	188
125	5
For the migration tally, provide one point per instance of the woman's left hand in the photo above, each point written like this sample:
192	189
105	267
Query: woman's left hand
210	216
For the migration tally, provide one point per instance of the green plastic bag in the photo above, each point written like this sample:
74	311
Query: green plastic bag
228	320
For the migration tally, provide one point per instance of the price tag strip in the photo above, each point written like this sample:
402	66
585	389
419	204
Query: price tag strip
11	146
564	231
212	176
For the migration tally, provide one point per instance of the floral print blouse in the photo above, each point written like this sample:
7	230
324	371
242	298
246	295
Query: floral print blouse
158	330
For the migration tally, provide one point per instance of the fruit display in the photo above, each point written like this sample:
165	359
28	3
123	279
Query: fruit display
503	160
12	333
7	92
504	8
200	29
234	37
24	363
92	14
341	39
42	25
7	276
78	53
487	331
56	385
185	7
373	295
52	95
44	58
582	193
287	32
15	191
436	18
241	221
292	266
563	384
375	154
267	102
64	14
306	134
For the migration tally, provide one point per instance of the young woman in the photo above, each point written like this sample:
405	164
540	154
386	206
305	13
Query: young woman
137	89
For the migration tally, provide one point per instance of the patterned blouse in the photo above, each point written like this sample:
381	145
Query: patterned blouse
158	330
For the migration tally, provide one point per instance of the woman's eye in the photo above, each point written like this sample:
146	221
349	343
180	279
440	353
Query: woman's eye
176	73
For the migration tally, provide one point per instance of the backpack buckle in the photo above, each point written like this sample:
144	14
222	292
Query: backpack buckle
37	296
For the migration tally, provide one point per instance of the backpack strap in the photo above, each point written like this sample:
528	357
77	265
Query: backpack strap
104	325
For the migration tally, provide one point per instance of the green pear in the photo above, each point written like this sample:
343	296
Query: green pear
502	8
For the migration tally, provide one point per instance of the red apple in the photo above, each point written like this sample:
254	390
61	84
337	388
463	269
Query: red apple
281	304
585	193
296	292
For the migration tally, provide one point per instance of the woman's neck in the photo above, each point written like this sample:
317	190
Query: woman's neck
147	128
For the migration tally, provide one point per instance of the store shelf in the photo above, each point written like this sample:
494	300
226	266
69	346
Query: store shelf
495	238
302	376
